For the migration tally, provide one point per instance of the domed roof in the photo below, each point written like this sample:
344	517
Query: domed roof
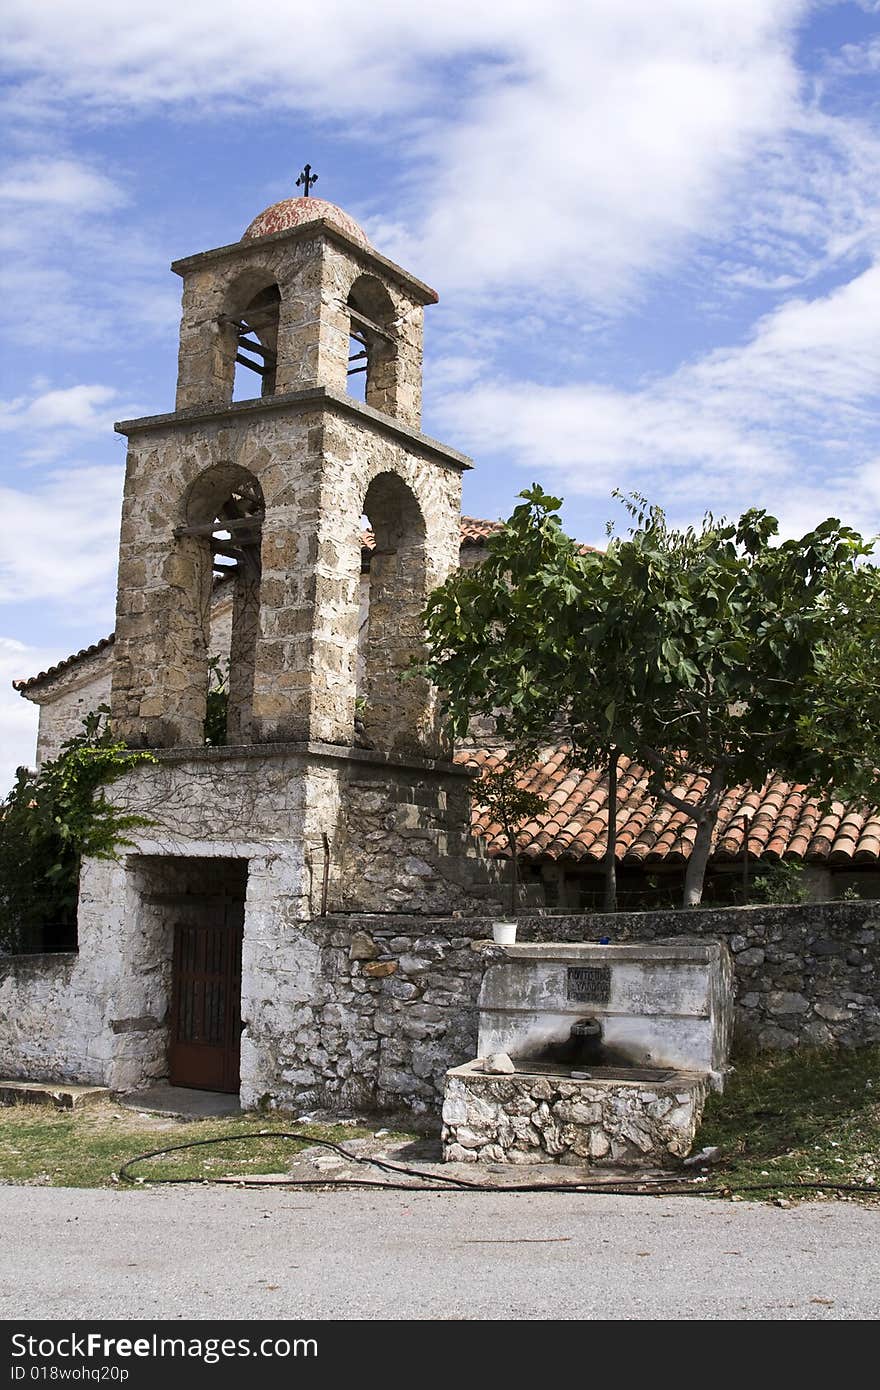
293	212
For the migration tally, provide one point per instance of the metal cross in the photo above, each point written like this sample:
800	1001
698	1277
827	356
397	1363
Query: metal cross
307	178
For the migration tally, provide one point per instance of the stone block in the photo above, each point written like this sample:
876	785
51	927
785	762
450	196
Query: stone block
380	969
363	947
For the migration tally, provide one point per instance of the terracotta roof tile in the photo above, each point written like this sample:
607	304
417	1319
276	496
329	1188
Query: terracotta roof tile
101	645
777	821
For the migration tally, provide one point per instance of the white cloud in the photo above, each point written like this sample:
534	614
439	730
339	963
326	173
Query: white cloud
55	422
786	420
59	542
563	146
18	717
59	183
73	407
60	218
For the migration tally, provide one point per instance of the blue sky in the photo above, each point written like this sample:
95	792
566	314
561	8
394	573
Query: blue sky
654	229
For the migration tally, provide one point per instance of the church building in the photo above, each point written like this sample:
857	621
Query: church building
301	917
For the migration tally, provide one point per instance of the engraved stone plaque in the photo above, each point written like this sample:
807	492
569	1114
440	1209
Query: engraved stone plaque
589	983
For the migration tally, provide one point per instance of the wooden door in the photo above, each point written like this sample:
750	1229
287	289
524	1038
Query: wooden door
206	995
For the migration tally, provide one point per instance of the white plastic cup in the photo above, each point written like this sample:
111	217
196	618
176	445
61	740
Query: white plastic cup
504	933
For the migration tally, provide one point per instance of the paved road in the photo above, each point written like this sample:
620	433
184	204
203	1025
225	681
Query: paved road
212	1253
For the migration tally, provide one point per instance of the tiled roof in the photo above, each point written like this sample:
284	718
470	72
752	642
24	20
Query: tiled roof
101	645
782	821
476	532
473	532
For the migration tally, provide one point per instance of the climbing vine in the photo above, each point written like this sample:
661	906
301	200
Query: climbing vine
217	708
49	822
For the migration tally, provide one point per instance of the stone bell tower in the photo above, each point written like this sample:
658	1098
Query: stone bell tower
228	947
278	484
327	751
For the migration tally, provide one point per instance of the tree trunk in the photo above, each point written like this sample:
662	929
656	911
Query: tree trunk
695	872
514	870
609	897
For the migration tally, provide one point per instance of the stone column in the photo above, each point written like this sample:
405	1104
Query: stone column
245	632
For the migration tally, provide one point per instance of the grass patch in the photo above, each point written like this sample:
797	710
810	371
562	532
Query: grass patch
55	1148
802	1116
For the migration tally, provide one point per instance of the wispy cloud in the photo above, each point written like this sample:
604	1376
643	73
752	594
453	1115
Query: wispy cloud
584	147
59	541
18	718
47	427
59	183
787	419
59	220
84	408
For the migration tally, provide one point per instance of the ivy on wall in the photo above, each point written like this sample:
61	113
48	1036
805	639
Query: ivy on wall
49	822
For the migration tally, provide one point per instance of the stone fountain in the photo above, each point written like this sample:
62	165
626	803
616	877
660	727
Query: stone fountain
592	1053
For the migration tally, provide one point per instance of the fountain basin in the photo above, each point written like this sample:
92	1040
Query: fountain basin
544	1116
615	1048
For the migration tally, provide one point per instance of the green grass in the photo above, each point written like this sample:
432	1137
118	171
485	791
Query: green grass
804	1116
56	1148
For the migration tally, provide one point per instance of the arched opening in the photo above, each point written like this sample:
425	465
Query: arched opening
250	324
372	344
392	714
223	531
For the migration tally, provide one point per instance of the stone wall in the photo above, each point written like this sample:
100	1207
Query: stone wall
318	272
551	1119
804	974
378	1023
399	999
288	815
92	1016
71	695
46	1019
371	1010
81	688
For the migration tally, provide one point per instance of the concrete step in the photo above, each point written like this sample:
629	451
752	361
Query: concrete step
182	1102
64	1095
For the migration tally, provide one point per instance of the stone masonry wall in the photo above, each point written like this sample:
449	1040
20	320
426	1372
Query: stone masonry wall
95	1015
406	845
46	1020
399	1000
551	1119
314	271
71	696
804	974
67	698
371	1010
315	458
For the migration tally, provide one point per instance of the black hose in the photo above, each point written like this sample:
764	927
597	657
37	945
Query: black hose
439	1182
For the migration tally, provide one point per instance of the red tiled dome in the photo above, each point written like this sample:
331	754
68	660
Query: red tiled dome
293	212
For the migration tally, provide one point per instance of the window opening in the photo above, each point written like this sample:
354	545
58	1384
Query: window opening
234	539
256	341
369	341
